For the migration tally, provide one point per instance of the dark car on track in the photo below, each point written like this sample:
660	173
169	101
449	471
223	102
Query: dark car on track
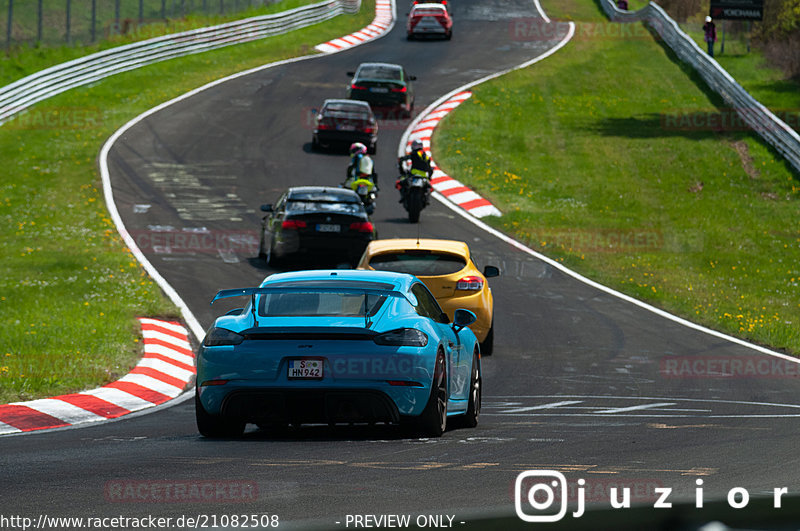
342	122
329	221
383	85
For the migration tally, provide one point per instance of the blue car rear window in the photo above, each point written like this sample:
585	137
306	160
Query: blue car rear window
310	303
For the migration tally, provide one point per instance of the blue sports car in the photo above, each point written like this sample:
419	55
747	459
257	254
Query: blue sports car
338	346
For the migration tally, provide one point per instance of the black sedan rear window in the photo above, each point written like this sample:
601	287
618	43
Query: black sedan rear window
345	108
329	196
420	263
324	206
380	72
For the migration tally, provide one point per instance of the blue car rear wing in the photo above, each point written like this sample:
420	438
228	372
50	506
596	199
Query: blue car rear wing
252	292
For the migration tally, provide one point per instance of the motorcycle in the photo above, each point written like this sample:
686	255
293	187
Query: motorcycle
414	194
363	181
365	189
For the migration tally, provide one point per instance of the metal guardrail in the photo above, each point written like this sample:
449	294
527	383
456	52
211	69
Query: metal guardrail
771	128
34	88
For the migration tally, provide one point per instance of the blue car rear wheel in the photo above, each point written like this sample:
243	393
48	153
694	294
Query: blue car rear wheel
433	420
470	419
215	425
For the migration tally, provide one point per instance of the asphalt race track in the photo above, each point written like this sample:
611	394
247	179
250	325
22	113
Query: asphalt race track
576	383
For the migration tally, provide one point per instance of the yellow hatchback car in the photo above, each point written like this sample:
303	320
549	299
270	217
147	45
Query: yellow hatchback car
447	269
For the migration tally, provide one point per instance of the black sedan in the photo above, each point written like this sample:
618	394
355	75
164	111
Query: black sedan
315	221
344	122
383	85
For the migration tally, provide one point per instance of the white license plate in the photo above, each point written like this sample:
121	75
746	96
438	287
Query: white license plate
305	368
346	128
324	227
381	90
362	189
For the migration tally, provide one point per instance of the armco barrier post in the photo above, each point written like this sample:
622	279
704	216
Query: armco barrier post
8	31
94	20
39	19
69	18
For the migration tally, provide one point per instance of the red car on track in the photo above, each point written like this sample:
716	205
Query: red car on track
429	18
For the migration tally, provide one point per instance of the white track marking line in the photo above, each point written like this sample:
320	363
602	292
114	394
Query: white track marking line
635	408
543	406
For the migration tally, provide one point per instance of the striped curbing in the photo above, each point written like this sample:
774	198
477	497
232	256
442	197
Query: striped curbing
453	190
165	370
384	18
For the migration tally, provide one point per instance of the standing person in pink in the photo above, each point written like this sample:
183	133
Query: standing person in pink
710	35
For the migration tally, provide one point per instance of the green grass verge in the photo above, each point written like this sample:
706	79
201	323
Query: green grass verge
69	290
580	154
25	59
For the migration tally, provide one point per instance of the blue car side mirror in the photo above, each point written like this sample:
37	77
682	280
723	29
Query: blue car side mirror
463	318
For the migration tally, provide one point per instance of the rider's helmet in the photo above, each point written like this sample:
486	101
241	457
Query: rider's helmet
416	145
358	148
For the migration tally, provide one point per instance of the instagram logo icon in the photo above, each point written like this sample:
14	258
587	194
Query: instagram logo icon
535	492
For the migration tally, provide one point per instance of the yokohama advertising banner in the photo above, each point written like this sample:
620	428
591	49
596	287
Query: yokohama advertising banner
737	9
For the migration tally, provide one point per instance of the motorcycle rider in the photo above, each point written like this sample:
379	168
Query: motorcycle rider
420	166
361	166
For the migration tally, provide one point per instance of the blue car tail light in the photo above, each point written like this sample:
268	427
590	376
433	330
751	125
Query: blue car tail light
219	337
402	337
208	383
404	383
